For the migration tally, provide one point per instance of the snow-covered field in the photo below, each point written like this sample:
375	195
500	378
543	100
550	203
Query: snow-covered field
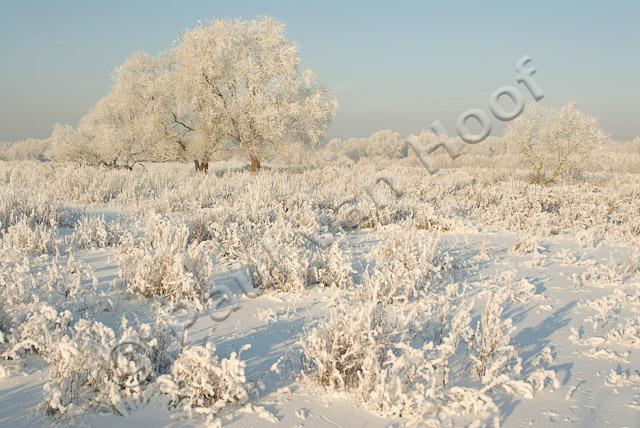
368	294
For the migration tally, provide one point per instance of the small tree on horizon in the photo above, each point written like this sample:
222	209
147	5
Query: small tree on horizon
553	142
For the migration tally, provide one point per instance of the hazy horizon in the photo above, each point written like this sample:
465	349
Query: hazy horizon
399	66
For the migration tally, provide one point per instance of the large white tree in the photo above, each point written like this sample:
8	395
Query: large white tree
553	142
243	81
238	82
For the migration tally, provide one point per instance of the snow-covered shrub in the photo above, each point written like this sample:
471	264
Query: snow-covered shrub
94	232
17	205
390	357
39	299
525	244
5	326
619	377
633	264
425	218
404	357
70	285
365	215
201	385
232	239
350	344
540	372
331	265
165	265
17	283
493	354
200	225
384	144
86	374
412	255
516	291
162	340
279	260
27	149
40	332
34	239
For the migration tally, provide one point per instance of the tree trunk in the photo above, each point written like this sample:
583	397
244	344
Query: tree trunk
255	163
201	166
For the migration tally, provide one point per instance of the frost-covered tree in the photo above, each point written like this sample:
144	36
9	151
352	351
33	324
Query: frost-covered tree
28	149
227	81
133	122
67	145
242	81
553	141
143	110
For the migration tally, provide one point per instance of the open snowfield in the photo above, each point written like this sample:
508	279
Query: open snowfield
365	294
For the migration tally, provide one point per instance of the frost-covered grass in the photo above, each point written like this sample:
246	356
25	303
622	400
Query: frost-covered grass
600	207
404	299
164	264
404	343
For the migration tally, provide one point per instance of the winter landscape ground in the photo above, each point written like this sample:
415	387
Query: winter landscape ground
469	297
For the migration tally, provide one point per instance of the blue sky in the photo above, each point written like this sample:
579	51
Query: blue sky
392	64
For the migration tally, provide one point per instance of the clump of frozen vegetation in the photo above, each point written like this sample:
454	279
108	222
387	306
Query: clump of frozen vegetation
39	300
84	375
165	265
278	260
95	232
201	384
331	265
525	244
553	142
403	350
90	369
413	258
633	264
33	239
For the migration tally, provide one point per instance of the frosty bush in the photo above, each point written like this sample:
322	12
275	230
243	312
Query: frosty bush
201	384
369	349
40	332
633	265
231	239
5	326
84	376
24	202
96	233
525	244
165	265
405	358
34	239
493	354
279	260
39	300
412	251
384	144
332	266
